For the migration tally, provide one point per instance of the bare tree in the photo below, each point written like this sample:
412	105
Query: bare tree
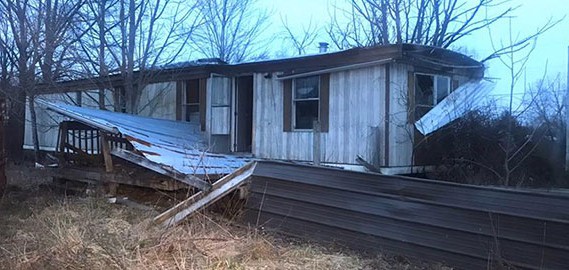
22	36
149	34
98	19
438	23
521	129
300	40
37	45
232	29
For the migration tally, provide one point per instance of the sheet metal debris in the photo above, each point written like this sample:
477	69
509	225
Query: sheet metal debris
172	144
465	98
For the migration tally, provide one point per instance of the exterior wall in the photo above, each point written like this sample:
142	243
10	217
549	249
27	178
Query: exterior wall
159	101
400	131
357	107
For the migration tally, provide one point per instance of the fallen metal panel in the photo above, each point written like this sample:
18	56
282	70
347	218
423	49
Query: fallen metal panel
203	199
161	169
464	226
170	143
522	203
465	98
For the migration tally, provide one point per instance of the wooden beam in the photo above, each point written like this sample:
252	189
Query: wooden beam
106	153
316	143
203	199
164	170
96	176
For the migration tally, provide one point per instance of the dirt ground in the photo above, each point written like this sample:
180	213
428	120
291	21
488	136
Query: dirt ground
44	228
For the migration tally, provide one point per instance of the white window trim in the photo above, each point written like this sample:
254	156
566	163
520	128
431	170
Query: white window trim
294	100
435	85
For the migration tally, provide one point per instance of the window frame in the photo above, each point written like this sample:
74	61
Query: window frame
435	85
294	100
434	102
185	105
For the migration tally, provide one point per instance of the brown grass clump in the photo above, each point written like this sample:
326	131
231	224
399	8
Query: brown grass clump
44	231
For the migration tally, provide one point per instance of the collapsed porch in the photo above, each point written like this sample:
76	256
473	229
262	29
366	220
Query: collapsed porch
176	150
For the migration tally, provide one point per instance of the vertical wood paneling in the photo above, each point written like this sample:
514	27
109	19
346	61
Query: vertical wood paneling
355	121
218	105
400	131
158	100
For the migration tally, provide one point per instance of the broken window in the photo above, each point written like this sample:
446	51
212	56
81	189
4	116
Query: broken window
191	101
306	102
429	91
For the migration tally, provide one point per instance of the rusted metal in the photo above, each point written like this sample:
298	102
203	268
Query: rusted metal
464	226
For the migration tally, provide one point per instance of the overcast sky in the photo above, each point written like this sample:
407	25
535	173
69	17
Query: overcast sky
551	47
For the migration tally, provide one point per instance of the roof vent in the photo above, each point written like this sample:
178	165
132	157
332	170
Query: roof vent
323	47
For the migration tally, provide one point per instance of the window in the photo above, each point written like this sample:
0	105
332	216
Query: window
429	91
306	102
191	101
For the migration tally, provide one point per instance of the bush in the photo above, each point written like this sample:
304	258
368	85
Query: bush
474	150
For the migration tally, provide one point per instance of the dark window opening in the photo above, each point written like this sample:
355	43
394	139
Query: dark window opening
306	102
429	91
191	101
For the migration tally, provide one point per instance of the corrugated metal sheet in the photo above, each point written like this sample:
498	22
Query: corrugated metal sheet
174	144
460	225
467	97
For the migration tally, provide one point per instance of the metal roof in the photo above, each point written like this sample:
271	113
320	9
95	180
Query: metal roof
465	98
174	144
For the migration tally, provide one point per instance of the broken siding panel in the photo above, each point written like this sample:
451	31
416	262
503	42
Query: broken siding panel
400	131
158	100
355	119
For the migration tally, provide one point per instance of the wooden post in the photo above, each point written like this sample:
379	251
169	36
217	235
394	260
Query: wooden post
106	151
316	143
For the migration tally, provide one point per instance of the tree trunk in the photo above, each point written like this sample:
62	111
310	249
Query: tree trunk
34	122
16	127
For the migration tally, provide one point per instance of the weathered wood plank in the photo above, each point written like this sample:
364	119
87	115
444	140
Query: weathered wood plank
98	176
170	172
106	153
203	199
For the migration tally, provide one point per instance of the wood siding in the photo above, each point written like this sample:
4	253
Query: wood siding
219	105
400	130
355	127
159	101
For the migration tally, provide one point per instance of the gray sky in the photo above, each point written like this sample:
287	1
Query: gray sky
551	47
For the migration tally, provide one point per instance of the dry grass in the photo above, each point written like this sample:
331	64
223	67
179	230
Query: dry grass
39	230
